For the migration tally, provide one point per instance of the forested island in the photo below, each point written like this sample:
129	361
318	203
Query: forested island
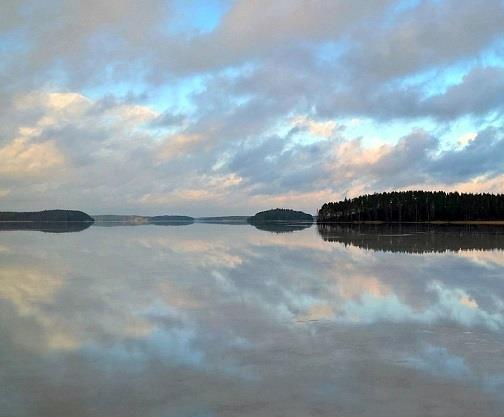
54	221
46	216
280	215
415	207
281	220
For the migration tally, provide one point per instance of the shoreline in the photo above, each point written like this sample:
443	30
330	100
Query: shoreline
435	222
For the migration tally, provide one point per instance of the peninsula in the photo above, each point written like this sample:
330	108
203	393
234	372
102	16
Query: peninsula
416	207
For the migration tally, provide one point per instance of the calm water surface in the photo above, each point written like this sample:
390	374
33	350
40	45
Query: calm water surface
218	320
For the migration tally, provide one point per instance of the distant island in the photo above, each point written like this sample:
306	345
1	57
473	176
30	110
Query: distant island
273	220
67	216
113	219
170	220
135	220
223	220
416	207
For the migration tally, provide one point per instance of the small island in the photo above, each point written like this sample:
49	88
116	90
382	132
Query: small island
281	220
416	207
280	215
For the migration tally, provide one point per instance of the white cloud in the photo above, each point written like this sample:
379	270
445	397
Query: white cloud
316	128
20	158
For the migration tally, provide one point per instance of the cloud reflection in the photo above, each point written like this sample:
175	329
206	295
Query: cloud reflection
216	320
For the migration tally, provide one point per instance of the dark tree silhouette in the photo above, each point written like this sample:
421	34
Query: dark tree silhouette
45	216
280	215
415	206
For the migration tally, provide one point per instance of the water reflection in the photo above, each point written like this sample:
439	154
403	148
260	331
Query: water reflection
415	238
178	222
282	227
48	227
212	320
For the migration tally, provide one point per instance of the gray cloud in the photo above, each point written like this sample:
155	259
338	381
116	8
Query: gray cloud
482	156
273	167
430	34
236	140
480	91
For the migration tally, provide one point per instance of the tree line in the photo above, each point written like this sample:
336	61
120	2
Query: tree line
280	215
45	216
415	206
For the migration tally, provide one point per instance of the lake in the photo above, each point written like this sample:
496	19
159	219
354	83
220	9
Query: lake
212	320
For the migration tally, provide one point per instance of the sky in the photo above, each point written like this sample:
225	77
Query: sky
228	107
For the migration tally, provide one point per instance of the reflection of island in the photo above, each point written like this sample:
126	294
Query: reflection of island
48	227
54	221
135	220
415	238
231	220
281	220
282	227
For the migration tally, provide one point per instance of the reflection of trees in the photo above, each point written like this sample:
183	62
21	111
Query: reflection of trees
49	227
415	238
281	227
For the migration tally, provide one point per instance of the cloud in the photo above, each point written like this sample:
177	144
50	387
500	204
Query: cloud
118	105
109	151
415	160
179	145
316	128
22	159
478	93
433	33
479	157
